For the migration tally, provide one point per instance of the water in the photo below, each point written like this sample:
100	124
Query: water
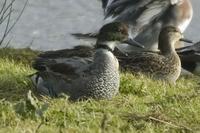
47	24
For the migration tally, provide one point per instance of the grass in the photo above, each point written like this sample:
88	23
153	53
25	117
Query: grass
143	105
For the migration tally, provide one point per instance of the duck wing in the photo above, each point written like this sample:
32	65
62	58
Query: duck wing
65	66
145	62
78	51
57	70
56	76
67	61
139	13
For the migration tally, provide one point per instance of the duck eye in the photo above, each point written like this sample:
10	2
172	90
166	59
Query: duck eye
121	30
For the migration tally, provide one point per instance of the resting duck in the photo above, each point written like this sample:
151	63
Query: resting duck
163	65
96	78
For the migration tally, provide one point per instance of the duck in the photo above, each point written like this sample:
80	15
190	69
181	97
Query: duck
164	65
146	18
154	60
96	77
190	57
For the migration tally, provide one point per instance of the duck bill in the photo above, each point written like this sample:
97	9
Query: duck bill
186	40
133	43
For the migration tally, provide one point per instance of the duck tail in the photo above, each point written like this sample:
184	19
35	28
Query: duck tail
50	84
41	86
85	36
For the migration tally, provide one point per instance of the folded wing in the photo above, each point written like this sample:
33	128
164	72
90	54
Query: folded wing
69	62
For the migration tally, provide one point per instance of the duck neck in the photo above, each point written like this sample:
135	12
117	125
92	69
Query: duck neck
167	47
109	45
104	57
105	47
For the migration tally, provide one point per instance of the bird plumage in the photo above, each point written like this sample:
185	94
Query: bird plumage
146	18
96	76
164	65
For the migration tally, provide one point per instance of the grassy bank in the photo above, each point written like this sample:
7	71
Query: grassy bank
143	105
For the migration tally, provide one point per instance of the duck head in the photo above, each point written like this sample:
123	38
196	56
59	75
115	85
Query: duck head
113	34
169	36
